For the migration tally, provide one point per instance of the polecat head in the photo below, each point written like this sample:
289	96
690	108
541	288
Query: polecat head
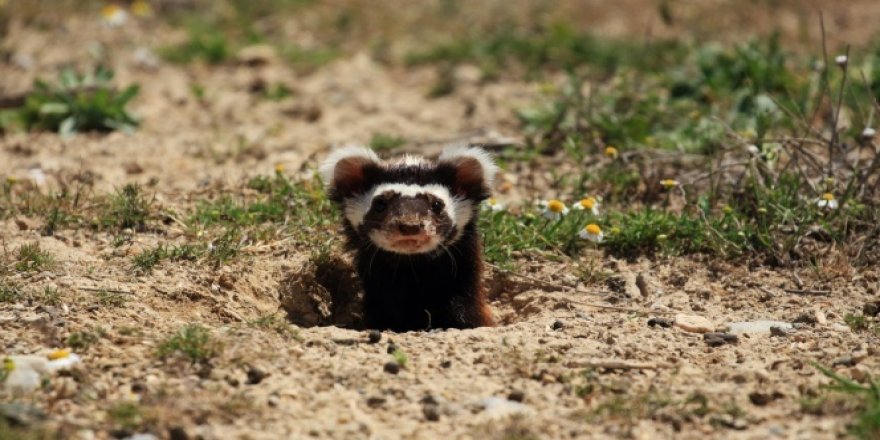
410	205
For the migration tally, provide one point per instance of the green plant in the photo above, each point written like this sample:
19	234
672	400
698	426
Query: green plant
80	102
867	408
129	208
193	342
382	141
206	44
82	340
126	415
31	258
400	357
111	299
10	293
149	258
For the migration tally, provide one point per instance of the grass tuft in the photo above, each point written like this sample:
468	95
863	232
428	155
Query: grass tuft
193	342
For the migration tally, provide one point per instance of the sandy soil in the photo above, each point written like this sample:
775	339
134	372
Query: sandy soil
558	367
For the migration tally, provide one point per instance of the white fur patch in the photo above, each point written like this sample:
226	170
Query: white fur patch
328	166
482	156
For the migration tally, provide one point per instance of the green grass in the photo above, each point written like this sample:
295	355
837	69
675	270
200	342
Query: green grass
129	208
126	415
548	47
866	407
193	342
32	258
79	102
82	340
145	261
383	141
400	357
207	45
10	293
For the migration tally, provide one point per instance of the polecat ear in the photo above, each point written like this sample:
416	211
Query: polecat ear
474	171
345	171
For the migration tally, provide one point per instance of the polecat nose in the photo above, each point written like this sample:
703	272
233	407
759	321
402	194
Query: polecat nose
409	228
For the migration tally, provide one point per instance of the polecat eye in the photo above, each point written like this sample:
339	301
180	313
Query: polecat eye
380	204
437	206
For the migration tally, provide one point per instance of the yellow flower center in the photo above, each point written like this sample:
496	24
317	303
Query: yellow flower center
828	197
611	152
59	354
669	183
556	206
279	168
110	10
491	201
593	229
588	203
8	364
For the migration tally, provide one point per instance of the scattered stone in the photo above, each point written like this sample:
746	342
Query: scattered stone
392	347
760	399
859	373
431	412
516	396
177	433
643	282
255	376
374	336
717	339
273	401
660	322
257	55
20	414
428	399
375	401
557	325
497	408
728	421
753	327
806	318
871	308
693	323
779	332
141	436
346	341
846	361
445	364
631	286
392	367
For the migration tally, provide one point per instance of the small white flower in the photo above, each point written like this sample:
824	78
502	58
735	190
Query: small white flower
493	205
553	209
587	204
868	133
827	201
592	232
24	372
841	60
114	15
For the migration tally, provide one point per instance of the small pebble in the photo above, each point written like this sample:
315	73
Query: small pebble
717	339
660	322
375	401
777	331
177	433
693	323
516	396
255	376
557	325
375	336
761	399
392	367
392	347
445	364
431	412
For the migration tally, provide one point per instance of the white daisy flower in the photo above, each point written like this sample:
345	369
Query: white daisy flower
114	15
553	209
592	232
841	60
669	183
587	204
24	373
827	201
868	133
493	205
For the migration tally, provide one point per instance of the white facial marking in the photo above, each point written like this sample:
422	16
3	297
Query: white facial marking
357	207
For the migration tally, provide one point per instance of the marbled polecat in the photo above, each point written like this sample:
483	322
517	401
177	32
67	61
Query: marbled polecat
412	223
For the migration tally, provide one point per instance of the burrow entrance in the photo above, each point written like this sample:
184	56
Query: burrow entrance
327	292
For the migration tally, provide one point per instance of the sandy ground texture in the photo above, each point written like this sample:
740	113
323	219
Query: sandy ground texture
570	360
